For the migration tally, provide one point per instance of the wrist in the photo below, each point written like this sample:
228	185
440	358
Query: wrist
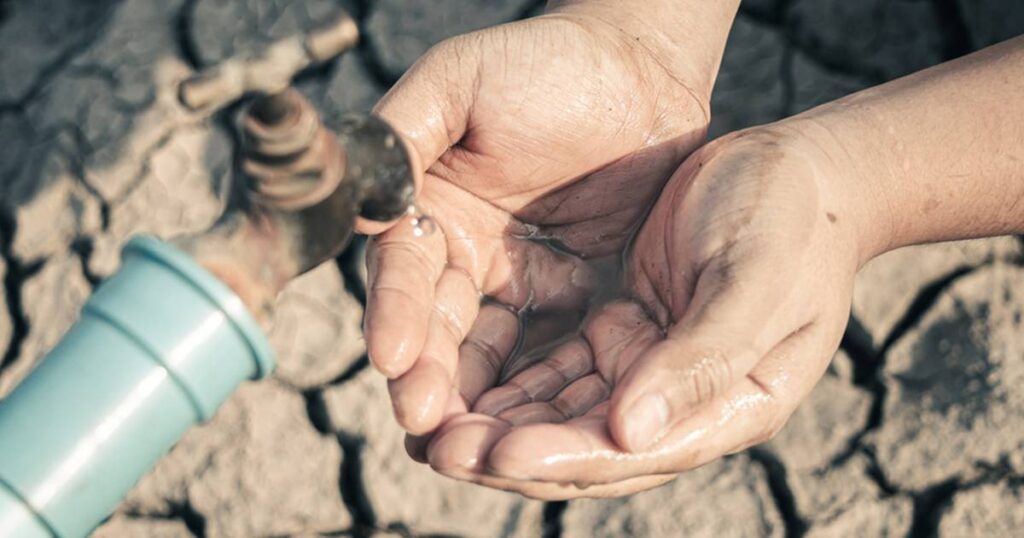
686	37
934	156
865	213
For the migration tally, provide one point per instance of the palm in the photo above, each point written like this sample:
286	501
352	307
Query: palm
563	134
546	162
733	268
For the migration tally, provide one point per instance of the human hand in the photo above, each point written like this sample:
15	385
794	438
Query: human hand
556	132
740	283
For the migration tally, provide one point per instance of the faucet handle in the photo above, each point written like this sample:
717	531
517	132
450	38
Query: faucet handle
271	71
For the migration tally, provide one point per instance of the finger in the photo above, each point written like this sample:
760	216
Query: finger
416	445
533	276
573	401
502	257
459	450
547	491
462	444
619	334
540	382
542	333
430	105
751	411
484	351
551	491
734	318
402	271
420	395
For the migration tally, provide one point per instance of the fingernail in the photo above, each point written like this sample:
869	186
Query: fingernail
645	421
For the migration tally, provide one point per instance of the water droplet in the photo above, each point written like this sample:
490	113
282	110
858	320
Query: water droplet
422	224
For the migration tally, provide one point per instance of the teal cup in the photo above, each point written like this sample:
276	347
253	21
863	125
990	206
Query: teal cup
156	350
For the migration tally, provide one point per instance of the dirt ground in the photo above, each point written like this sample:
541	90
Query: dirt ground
917	429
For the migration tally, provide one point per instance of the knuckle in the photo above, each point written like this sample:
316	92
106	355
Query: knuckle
485	351
450	321
399	294
565	407
400	253
708	376
444	51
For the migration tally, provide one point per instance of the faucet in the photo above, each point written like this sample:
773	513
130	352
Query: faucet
164	341
305	185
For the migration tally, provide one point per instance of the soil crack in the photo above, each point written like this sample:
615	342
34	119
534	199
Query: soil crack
778	484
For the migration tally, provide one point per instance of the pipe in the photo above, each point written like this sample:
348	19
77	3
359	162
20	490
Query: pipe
157	349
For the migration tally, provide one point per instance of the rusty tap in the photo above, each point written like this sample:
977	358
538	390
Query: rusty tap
300	185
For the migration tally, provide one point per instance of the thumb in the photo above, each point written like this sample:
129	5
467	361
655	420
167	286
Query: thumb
730	324
429	108
430	104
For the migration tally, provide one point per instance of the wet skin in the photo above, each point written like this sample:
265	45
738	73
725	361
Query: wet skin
544	143
734	292
535	162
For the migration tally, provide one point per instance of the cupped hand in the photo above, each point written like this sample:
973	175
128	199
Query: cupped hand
738	288
544	143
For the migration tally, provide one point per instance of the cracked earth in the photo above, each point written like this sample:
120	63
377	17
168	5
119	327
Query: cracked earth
916	430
